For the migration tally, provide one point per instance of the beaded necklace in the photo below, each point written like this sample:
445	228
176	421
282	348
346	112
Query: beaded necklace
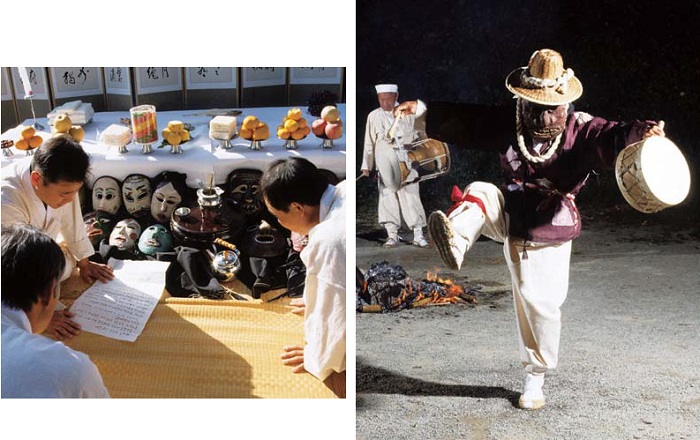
521	140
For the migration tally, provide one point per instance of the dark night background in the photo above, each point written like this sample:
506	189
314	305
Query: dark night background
636	60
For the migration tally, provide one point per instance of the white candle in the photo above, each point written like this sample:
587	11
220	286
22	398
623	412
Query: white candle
24	75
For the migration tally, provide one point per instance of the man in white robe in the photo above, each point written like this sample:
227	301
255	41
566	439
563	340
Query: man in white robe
379	153
33	365
303	202
43	191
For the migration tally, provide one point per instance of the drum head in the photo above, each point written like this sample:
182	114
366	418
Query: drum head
665	170
652	174
388	165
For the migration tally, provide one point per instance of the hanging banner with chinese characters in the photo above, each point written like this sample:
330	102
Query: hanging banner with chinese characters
315	75
70	82
117	80
37	80
203	78
158	80
264	76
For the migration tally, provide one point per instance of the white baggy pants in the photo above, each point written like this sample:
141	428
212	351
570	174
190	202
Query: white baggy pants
393	204
540	281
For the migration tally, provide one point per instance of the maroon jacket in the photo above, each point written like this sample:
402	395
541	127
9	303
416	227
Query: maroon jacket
540	198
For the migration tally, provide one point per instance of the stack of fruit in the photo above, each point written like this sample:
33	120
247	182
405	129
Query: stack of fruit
254	130
294	128
329	126
63	125
174	135
29	140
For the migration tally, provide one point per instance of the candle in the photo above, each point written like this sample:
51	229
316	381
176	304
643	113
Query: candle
24	75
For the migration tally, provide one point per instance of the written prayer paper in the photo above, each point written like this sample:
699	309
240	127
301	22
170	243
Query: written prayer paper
120	308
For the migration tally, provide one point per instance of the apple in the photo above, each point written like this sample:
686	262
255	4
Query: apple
334	130
330	113
318	127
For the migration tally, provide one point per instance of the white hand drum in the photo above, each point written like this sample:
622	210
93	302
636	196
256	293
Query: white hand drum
652	174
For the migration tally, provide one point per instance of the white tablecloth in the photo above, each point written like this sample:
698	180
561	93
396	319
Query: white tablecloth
199	155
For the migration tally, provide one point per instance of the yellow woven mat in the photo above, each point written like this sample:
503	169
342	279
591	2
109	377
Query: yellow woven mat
202	348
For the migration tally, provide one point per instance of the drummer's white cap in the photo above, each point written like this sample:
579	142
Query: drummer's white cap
387	88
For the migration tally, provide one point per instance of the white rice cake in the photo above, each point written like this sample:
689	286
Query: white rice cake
116	135
222	127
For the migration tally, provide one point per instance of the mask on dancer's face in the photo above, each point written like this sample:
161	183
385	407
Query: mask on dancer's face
106	195
125	234
165	199
136	192
544	122
156	238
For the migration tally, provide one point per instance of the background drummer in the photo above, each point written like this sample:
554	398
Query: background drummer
406	200
548	151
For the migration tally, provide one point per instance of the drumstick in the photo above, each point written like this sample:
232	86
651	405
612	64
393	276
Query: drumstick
359	177
661	124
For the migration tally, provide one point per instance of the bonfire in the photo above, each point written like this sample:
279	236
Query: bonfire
388	288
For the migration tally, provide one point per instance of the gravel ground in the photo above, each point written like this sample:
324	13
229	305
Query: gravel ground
629	360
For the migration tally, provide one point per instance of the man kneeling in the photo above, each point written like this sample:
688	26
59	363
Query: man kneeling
34	365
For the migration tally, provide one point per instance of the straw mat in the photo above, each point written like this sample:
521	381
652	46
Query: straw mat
202	348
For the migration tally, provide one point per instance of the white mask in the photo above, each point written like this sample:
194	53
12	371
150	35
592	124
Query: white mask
106	195
136	192
125	234
165	200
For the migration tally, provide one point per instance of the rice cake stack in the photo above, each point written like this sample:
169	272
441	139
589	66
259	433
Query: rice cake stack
116	135
222	127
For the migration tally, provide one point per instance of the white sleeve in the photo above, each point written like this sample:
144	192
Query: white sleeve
73	230
13	209
368	153
421	108
324	352
92	385
421	115
324	294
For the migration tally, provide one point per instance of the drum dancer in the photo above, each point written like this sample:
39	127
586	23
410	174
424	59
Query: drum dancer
406	200
550	153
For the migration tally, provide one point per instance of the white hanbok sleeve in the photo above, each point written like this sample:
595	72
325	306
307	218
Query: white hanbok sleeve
370	142
324	352
324	295
73	230
13	207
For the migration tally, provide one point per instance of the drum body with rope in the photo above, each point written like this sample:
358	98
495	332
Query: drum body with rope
403	164
652	174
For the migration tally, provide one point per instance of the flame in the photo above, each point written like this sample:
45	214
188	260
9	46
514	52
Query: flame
432	296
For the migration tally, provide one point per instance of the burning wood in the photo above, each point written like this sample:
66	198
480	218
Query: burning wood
386	288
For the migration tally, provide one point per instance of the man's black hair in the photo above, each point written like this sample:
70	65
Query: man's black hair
292	180
31	259
61	159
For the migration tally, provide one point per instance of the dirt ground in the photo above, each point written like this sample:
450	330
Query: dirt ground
629	365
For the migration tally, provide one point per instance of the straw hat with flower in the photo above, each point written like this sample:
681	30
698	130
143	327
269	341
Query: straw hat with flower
544	80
